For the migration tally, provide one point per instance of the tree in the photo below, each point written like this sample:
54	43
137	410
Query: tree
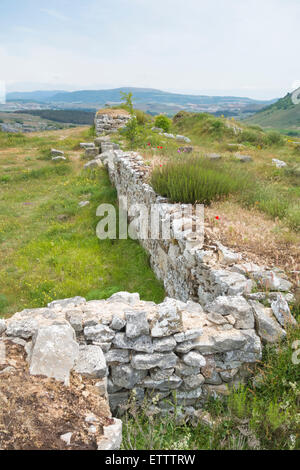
127	99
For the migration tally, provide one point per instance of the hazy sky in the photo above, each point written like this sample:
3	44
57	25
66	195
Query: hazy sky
240	47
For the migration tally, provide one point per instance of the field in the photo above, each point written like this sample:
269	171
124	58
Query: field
48	245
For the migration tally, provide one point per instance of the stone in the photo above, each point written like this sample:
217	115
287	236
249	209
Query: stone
150	361
125	297
24	328
117	400
112	436
270	281
86	145
126	376
142	343
229	340
117	323
279	163
191	382
214	156
246	268
112	388
237	306
184	371
57	153
75	319
99	333
228	375
104	346
181	138
84	203
214	379
243	158
164	344
282	312
74	302
117	356
91	362
171	383
55	352
194	359
101	387
137	324
217	390
188	395
186	347
66	438
267	327
161	374
2	326
250	352
189	334
226	256
169	320
58	159
231	283
217	318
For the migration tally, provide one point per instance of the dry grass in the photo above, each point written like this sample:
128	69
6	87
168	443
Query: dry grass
252	233
113	112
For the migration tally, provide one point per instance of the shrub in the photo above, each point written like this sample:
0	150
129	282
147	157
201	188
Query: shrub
274	138
141	117
3	302
197	180
163	122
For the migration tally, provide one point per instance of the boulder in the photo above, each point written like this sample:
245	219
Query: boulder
112	436
117	356
125	297
2	326
142	344
194	359
279	163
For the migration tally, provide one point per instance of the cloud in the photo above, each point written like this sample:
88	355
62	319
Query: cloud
24	29
55	14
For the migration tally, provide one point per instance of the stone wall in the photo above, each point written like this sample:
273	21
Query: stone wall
140	349
110	121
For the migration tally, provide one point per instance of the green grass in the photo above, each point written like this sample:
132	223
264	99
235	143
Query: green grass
264	414
198	180
48	244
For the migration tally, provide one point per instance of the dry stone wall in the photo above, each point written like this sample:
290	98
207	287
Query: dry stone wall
139	349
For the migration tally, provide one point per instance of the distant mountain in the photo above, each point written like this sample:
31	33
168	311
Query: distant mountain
147	99
41	96
283	114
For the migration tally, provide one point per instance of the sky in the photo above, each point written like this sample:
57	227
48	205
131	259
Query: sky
220	47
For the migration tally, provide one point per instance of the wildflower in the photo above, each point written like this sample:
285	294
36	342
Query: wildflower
217	217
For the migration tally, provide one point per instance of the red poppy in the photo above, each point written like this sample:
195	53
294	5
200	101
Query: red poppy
218	218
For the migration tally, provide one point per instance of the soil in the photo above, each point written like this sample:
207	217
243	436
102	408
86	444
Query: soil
35	411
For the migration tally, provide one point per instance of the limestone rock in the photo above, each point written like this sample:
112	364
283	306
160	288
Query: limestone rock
164	344
226	256
91	362
142	343
194	359
100	333
23	328
117	323
191	382
112	436
282	311
150	361
236	306
137	324
169	319
117	356
126	376
74	302
125	297
171	383
55	352
231	283
266	325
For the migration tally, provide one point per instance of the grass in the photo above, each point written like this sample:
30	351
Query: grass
197	180
48	244
262	415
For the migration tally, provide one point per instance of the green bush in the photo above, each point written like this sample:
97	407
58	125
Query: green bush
197	180
163	122
274	138
141	117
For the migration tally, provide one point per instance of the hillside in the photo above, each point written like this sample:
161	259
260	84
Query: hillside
280	115
146	99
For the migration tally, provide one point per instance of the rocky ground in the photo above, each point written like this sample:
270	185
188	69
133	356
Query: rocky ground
40	413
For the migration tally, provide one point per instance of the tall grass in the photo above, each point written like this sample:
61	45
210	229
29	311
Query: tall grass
197	180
